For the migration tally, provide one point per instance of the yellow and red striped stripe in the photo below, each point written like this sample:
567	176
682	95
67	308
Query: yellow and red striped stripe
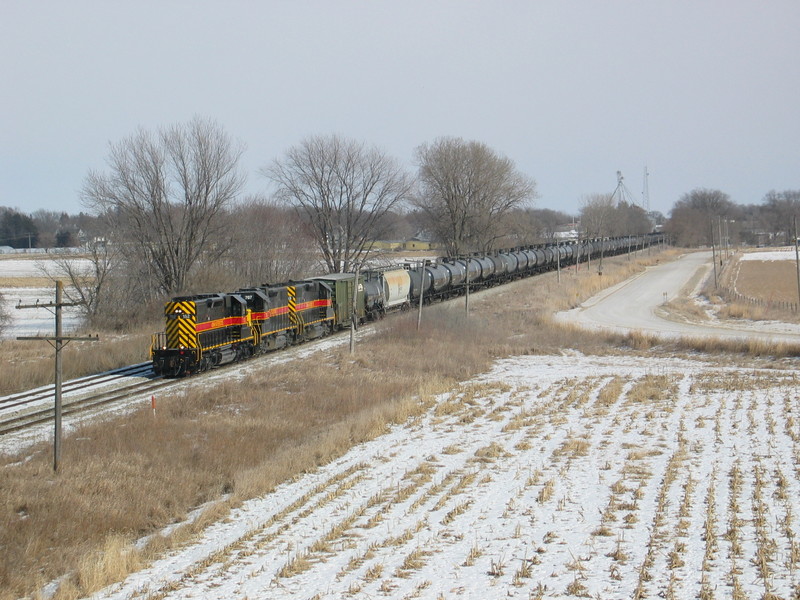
220	323
313	304
273	312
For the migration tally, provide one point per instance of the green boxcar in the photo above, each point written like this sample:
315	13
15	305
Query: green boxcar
341	286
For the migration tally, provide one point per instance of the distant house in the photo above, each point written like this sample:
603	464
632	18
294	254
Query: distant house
415	243
387	245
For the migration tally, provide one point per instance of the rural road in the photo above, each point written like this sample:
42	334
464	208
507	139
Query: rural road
637	305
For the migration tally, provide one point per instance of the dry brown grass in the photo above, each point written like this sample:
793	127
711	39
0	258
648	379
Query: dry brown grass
741	347
24	282
121	481
29	364
767	290
770	281
131	478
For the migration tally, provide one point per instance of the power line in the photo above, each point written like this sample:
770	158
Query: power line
27	236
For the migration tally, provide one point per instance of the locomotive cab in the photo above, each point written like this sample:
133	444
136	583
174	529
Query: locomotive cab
202	331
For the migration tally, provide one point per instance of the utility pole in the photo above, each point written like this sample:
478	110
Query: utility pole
58	342
558	261
354	316
466	295
797	260
713	251
421	295
728	240
600	264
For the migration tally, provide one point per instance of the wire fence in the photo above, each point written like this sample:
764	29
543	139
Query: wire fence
734	296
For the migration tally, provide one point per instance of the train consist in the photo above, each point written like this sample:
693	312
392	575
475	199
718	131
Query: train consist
207	330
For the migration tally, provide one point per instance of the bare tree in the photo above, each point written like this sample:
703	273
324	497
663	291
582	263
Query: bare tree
597	211
342	189
780	209
465	190
691	218
163	196
534	226
274	244
88	278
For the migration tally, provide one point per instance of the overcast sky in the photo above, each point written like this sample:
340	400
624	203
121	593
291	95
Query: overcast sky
704	93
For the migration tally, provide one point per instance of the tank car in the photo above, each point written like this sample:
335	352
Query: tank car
519	261
487	269
473	269
434	277
385	290
500	267
458	272
569	253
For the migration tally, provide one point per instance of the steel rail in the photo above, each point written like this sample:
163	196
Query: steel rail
22	398
46	415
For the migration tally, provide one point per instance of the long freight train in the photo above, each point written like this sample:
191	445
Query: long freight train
207	330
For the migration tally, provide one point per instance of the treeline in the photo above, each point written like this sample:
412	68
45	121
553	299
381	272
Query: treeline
44	228
167	215
704	217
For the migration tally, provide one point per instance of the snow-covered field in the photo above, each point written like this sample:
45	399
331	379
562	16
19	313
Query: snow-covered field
770	255
35	267
35	321
549	477
39	321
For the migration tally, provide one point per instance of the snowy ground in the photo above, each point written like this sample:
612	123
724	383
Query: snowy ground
770	255
35	321
34	267
39	321
551	476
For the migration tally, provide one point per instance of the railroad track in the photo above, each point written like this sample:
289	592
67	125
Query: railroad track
28	397
22	419
14	416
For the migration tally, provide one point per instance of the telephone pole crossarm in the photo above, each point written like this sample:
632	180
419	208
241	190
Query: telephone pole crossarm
49	305
52	338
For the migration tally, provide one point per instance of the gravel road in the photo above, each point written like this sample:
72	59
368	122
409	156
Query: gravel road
638	305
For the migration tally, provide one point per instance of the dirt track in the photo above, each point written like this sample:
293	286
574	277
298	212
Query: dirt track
637	305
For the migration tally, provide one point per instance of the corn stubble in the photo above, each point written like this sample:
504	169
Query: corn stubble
124	480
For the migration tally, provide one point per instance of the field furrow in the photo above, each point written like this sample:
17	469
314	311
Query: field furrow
535	482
